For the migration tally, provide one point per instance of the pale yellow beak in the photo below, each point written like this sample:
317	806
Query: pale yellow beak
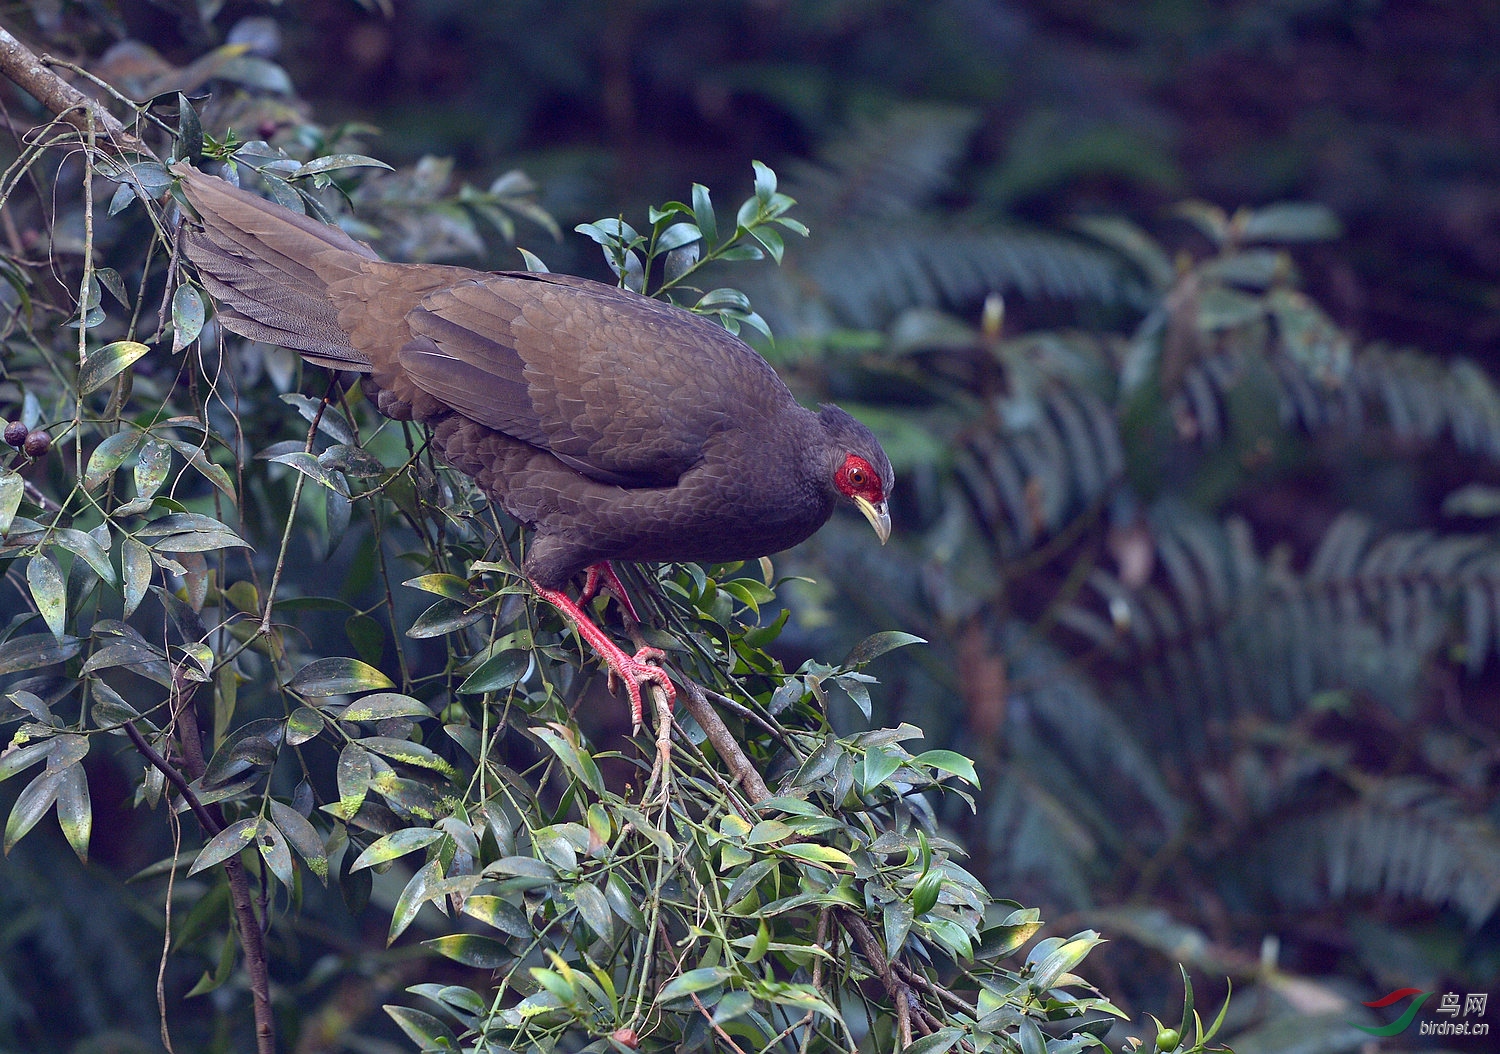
878	515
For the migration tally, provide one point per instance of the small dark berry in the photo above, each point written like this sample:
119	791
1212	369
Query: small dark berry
38	443
15	434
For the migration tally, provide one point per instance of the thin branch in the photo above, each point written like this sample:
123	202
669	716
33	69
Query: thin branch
27	71
205	819
252	937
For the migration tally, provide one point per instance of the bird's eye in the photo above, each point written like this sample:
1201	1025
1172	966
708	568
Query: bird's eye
857	476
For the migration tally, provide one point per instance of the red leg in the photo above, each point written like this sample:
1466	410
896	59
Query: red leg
603	574
634	670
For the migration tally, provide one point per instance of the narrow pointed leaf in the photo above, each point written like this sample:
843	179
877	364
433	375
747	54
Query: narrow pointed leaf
303	837
49	590
226	843
338	676
106	363
75	814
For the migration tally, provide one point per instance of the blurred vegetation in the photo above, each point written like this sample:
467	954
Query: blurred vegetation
1204	546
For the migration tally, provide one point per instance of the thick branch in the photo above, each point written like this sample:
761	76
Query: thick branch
20	64
724	742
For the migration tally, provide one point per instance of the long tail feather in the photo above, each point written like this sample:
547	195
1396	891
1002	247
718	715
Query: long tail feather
269	269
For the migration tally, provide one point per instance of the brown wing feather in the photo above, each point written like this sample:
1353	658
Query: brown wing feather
623	388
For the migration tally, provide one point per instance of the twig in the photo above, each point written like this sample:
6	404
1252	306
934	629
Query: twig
22	67
914	977
205	819
252	938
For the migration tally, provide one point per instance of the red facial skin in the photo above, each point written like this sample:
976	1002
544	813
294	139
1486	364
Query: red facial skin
856	479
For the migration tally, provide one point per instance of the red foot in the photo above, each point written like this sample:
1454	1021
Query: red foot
603	574
634	670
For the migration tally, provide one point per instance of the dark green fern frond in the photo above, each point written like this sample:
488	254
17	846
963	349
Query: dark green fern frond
868	273
1412	397
1402	837
1025	483
1218	634
885	166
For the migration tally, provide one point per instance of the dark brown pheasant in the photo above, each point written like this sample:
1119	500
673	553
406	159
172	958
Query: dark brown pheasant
617	426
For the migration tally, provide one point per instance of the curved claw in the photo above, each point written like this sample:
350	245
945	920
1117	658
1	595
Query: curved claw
637	672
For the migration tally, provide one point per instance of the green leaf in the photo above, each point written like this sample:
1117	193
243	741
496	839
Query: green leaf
84	545
577	760
303	837
105	364
593	908
75	814
444	617
877	644
824	856
951	762
404	750
703	216
334	162
12	486
188	532
924	896
691	982
251	746
876	767
622	903
733	1005
304	724
226	843
426	1031
897	919
336	675
308	464
498	913
201	464
384	705
677	235
499	672
472	949
50	592
1289	221
135	562
417	892
151	467
32	804
938	1043
274	851
765	182
108	456
35	650
22	758
395	845
189	146
187	316
1062	959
